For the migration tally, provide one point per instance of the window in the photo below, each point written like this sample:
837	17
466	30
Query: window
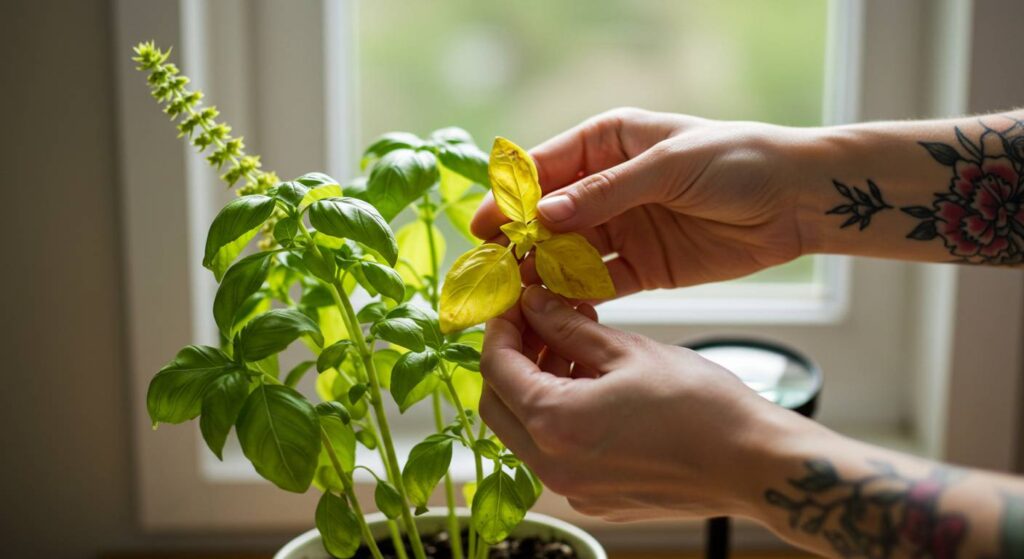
529	70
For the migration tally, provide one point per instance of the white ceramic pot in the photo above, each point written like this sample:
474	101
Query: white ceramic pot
308	546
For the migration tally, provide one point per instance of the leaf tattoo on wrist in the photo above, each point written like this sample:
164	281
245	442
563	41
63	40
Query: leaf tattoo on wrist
861	205
979	217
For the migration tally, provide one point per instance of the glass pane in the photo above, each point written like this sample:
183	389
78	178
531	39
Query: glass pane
532	68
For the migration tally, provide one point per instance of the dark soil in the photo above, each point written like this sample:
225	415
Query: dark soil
438	546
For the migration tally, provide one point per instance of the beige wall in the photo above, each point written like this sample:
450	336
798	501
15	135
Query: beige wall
65	463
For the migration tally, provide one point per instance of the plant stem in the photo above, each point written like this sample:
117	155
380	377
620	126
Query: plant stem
371	543
474	542
454	533
377	402
428	221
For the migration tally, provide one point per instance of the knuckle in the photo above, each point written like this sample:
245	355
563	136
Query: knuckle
594	188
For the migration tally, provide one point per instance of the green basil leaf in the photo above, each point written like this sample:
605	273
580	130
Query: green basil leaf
528	486
461	213
285	231
464	355
320	262
381	279
343	441
367	439
333	355
426	319
384	361
315	179
335	409
372	312
176	392
223	400
388	500
465	159
400	177
233	228
450	135
428	462
355	219
409	371
242	279
402	331
338	526
318	193
356	392
274	330
386	144
487	448
280	434
292	192
497	508
297	372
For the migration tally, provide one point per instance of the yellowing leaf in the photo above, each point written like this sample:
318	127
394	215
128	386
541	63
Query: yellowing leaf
321	192
414	252
482	284
513	181
572	268
524	235
461	213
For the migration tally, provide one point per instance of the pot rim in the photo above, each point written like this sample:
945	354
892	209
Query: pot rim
462	512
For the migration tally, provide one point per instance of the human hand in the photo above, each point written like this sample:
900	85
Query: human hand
633	429
681	200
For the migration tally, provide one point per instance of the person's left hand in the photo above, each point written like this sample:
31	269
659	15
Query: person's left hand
624	427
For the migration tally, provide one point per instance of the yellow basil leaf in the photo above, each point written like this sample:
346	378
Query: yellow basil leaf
481	284
414	252
524	235
513	181
572	268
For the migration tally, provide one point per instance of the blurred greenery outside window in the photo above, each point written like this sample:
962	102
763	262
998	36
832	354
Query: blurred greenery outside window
530	69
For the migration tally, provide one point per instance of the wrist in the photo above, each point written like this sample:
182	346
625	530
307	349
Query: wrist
774	452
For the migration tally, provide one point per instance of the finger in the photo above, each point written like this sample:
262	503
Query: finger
554	363
512	375
596	144
599	197
532	345
571	334
580	370
506	425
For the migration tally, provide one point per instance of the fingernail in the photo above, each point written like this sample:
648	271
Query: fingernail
556	208
539	300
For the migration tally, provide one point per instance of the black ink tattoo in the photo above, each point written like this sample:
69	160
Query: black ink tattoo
980	218
876	515
861	205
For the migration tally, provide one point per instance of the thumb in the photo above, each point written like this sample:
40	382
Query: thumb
570	334
599	197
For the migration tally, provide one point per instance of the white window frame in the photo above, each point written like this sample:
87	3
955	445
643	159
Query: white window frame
168	294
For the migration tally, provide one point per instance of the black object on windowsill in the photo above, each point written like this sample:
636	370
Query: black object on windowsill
776	372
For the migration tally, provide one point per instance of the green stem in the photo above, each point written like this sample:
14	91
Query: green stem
377	402
475	543
428	220
454	533
396	536
371	543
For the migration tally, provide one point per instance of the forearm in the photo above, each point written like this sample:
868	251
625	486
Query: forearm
940	191
843	498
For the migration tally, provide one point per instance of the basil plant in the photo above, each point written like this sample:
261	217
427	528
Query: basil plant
288	256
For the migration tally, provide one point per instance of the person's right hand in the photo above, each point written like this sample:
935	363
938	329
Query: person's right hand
681	200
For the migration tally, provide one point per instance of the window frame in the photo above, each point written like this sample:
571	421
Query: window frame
173	493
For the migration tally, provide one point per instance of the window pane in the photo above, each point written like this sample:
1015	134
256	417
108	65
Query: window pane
532	68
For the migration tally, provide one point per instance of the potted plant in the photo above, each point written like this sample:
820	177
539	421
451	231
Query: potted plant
316	242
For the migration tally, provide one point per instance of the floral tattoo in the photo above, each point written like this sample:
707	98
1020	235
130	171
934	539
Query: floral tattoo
980	216
885	514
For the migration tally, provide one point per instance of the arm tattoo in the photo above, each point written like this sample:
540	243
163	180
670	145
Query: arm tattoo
980	215
885	514
861	205
876	514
